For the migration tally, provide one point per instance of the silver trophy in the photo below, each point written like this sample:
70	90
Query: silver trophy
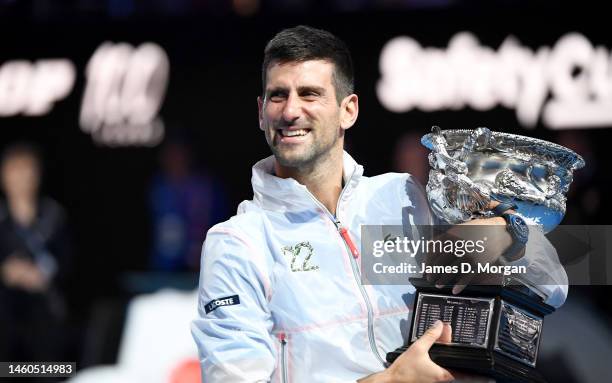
472	167
496	329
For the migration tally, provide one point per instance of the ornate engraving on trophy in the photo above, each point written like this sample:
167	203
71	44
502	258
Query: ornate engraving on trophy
519	334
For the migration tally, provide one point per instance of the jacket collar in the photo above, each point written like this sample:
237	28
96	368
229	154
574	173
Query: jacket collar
286	194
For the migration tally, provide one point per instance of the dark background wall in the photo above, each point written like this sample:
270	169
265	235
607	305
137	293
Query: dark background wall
215	57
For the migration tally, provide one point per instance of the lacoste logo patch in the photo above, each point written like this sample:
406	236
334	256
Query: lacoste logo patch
227	301
300	256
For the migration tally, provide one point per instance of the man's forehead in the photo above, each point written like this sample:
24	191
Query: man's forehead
309	72
21	158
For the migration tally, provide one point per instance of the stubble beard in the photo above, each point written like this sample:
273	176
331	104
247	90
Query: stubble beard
306	160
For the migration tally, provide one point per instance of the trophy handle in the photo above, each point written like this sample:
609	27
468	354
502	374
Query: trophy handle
472	141
440	158
467	196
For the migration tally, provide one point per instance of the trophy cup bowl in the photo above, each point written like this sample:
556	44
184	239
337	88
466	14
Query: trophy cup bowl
472	167
496	328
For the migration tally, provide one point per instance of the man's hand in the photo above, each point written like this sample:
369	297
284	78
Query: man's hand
498	241
415	365
23	274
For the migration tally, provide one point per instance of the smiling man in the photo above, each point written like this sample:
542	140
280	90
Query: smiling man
281	297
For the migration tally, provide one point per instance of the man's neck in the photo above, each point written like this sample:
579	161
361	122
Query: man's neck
323	180
22	209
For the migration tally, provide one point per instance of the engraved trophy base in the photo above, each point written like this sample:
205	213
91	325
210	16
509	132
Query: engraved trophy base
496	330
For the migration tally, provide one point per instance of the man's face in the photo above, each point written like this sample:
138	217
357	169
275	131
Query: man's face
299	113
20	176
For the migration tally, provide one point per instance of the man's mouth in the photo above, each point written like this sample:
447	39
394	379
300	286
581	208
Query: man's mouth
293	132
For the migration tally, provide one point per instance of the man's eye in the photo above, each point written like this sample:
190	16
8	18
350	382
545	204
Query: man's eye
277	96
310	95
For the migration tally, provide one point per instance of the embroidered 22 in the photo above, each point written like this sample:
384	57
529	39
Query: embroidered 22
304	248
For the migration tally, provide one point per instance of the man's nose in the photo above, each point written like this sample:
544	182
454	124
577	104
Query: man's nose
292	108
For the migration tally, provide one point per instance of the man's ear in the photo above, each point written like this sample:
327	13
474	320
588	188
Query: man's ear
349	109
260	111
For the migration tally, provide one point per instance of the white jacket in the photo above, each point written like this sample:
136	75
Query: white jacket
301	313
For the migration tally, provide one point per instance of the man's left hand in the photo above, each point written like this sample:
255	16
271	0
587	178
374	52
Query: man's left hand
498	240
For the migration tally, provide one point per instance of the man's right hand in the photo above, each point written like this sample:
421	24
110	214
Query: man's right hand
415	365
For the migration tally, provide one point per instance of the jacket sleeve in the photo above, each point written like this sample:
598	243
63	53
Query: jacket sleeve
233	326
544	269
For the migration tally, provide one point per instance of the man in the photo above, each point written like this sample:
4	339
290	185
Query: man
280	291
34	262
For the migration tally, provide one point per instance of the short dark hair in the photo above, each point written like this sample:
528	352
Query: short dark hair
303	43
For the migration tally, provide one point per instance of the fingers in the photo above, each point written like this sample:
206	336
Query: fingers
443	268
462	283
431	335
450	278
447	334
415	365
458	288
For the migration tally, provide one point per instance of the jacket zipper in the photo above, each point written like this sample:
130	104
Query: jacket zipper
282	337
351	246
347	239
354	255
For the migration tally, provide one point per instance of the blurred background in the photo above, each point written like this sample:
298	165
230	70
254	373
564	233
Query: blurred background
130	127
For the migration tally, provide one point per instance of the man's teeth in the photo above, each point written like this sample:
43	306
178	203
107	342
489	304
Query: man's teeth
293	133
